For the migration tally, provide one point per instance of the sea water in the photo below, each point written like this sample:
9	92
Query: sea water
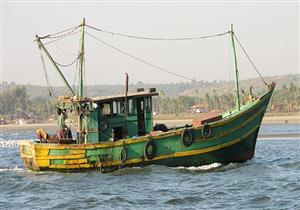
271	180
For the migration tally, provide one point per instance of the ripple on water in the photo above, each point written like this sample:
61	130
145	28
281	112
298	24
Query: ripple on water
201	168
291	165
132	171
15	168
259	201
269	181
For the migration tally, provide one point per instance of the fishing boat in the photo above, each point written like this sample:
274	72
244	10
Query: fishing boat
115	132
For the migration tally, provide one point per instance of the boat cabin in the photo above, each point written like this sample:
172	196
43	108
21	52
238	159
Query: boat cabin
110	120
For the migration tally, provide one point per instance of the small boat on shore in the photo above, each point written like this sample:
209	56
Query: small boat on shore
117	131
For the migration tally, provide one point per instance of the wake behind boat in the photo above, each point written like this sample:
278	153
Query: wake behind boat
114	132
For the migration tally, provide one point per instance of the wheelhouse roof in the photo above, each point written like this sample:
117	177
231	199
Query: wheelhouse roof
138	94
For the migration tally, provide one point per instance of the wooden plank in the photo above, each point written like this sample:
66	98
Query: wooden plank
62	157
77	151
41	152
42	163
207	118
75	161
64	146
73	166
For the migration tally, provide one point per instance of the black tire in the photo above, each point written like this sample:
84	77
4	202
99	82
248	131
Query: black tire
123	154
187	138
206	130
150	154
160	127
103	125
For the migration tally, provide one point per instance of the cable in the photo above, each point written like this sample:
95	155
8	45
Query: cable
53	36
157	38
67	65
75	76
50	90
63	35
139	59
249	59
84	72
55	40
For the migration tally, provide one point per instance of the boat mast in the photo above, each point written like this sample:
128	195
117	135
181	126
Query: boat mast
81	60
238	105
126	105
80	81
42	46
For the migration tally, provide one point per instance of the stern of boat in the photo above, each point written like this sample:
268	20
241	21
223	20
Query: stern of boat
54	157
27	153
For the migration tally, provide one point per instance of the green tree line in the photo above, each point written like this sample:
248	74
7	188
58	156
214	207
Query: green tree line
285	99
16	103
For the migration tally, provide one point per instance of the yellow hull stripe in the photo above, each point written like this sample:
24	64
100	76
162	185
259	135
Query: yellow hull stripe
72	166
75	161
42	158
42	149
186	153
81	162
54	157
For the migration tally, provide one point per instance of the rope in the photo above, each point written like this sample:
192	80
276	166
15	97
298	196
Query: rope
55	40
157	38
50	90
85	84
63	35
249	59
139	59
75	76
99	163
66	65
55	35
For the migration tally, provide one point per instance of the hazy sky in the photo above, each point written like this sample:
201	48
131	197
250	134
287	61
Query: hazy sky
269	31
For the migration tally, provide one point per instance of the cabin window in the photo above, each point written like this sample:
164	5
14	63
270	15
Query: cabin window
131	108
115	109
118	107
148	105
106	109
142	105
121	107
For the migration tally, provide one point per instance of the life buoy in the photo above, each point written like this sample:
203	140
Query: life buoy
123	154
103	125
150	150
206	130
187	138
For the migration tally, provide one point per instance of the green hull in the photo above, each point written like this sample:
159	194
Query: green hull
231	139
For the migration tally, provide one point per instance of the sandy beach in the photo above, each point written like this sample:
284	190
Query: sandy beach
171	122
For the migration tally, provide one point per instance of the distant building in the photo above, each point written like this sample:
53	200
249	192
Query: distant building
198	108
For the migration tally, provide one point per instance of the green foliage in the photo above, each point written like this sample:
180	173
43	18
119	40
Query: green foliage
286	99
176	105
15	103
19	101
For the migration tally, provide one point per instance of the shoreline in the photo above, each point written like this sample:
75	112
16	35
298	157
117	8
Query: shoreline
290	120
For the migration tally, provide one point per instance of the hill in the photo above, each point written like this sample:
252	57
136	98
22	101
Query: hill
172	90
